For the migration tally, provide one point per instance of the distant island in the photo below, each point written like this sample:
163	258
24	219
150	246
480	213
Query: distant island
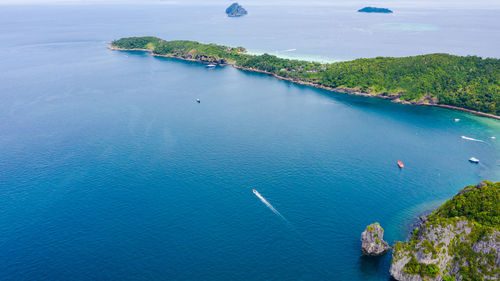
236	10
375	10
466	83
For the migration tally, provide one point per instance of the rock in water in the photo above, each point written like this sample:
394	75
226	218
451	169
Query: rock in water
235	10
372	240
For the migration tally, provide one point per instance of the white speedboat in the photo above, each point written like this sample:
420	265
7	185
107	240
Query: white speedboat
211	65
474	160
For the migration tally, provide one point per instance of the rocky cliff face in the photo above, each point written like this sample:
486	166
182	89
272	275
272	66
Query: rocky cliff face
459	241
372	240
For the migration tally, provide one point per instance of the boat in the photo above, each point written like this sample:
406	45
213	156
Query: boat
457	120
211	65
198	100
400	164
254	191
474	160
493	138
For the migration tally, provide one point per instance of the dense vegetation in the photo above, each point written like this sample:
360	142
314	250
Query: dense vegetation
422	269
479	204
469	82
480	207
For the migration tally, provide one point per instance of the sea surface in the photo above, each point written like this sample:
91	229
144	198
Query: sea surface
110	169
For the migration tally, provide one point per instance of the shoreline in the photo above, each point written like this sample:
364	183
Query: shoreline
393	98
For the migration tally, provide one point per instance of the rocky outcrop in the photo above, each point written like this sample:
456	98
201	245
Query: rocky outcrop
372	240
459	241
235	10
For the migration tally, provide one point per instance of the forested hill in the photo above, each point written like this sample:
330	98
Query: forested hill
468	82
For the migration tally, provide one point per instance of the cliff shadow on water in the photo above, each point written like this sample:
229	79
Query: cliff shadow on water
370	266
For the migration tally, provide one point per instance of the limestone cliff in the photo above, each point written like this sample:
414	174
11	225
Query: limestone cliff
458	241
372	240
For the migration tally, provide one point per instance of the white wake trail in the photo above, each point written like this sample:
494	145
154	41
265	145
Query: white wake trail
268	204
471	139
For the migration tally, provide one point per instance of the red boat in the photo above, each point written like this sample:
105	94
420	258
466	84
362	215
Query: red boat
400	164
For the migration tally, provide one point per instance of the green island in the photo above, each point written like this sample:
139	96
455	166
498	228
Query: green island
467	83
460	240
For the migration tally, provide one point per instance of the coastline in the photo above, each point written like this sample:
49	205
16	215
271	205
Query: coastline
393	98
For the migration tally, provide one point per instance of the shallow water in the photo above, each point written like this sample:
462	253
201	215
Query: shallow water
111	170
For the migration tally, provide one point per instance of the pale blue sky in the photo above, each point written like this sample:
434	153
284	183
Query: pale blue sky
482	4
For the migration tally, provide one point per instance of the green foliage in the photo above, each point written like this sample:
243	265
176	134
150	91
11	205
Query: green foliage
474	264
448	278
481	205
399	246
429	247
476	206
135	42
469	82
422	269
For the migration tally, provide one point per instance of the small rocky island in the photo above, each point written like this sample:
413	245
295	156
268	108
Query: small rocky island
372	241
236	10
458	241
375	10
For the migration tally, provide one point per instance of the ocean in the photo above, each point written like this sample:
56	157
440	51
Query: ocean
110	169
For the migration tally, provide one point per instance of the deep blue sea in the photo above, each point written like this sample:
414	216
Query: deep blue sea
109	169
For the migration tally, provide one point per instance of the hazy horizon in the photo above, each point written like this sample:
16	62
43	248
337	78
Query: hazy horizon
483	4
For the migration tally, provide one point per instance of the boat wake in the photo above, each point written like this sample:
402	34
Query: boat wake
300	236
471	139
268	205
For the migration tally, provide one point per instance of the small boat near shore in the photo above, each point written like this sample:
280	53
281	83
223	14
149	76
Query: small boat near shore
400	164
198	100
211	65
474	160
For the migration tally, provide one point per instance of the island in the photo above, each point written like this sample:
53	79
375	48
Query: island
467	83
375	10
235	10
458	241
372	241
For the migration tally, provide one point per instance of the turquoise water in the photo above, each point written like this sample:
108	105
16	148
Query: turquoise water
110	169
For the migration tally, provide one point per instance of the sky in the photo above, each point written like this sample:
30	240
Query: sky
477	4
